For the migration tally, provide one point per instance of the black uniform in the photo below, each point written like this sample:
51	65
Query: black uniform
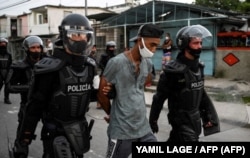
182	83
19	81
109	53
60	96
5	62
104	60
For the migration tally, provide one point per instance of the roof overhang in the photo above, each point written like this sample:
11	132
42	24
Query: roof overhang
144	14
101	16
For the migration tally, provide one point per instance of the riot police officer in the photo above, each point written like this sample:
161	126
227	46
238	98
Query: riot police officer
60	94
5	62
21	72
182	83
109	53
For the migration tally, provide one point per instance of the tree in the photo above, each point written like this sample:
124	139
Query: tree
242	6
231	5
245	7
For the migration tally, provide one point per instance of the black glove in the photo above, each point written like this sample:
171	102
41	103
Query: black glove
20	150
154	126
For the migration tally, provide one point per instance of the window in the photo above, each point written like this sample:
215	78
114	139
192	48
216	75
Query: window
100	41
122	43
13	27
45	20
20	27
39	18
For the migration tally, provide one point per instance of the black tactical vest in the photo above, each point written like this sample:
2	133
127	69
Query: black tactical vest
19	77
188	86
192	92
186	98
4	61
72	99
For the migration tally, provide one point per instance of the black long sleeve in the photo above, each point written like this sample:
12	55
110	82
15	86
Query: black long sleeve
159	98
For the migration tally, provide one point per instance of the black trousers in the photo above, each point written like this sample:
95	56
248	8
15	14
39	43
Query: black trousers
6	93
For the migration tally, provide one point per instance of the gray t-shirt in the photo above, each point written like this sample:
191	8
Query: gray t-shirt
128	110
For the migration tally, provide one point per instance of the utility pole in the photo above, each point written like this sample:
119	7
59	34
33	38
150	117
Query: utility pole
153	12
86	7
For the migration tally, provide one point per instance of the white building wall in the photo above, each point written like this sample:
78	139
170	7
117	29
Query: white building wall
55	16
3	30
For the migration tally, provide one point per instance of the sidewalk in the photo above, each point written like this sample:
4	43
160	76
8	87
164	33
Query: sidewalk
234	116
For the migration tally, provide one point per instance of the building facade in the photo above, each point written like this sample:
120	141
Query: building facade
172	16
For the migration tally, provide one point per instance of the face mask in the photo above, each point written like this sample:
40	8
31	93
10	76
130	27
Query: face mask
195	52
145	53
3	49
110	52
167	38
77	47
34	57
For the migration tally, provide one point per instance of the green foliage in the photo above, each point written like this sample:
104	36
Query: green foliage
230	5
245	7
220	4
246	99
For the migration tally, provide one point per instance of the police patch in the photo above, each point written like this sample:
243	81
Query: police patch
197	85
76	88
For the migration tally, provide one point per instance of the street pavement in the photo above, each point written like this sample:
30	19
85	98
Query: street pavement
234	119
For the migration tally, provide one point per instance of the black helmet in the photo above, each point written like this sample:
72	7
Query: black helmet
184	34
76	24
4	40
29	41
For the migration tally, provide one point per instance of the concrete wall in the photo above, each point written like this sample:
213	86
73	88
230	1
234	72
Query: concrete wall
5	27
22	26
240	70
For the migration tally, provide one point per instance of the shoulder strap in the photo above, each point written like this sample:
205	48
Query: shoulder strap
48	64
19	65
175	67
90	61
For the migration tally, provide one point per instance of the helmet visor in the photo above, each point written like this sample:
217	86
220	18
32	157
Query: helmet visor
35	45
197	31
79	35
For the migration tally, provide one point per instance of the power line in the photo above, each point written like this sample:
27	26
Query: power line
14	4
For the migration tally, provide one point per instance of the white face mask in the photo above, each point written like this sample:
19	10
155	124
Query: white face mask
145	53
167	38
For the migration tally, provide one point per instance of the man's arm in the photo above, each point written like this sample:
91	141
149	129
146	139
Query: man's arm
102	95
157	104
148	79
209	115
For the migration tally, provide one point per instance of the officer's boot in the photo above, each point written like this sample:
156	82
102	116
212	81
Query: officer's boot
7	101
6	98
